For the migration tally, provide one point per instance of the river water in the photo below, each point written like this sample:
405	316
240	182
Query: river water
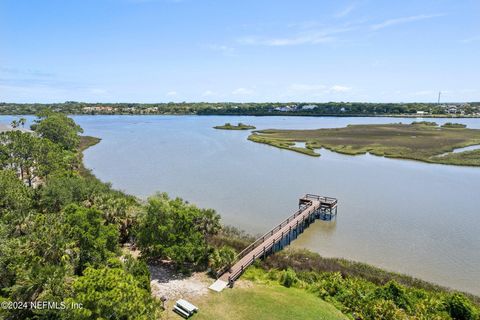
405	216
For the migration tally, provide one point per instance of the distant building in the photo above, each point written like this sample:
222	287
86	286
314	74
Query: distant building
309	107
285	109
421	112
98	109
452	108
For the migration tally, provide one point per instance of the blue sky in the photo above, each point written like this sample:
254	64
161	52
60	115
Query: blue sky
249	50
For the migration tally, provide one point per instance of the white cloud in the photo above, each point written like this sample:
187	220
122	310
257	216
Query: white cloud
403	20
308	37
242	91
172	93
346	11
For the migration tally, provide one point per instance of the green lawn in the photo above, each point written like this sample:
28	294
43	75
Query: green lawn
260	301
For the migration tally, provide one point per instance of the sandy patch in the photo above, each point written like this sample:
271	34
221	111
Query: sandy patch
173	285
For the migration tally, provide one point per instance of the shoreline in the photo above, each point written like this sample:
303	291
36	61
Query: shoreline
412	116
363	270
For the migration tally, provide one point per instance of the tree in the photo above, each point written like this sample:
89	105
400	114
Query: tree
118	209
110	293
223	257
15	197
35	266
63	189
170	229
17	123
33	158
96	242
59	129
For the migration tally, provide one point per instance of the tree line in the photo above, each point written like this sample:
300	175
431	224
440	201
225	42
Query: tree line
232	108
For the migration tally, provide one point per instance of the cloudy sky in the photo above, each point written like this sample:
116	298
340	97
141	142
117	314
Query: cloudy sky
248	50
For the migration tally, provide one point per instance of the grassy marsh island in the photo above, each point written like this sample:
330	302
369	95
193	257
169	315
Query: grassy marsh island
422	141
239	126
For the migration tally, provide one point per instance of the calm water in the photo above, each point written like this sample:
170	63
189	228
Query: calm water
406	216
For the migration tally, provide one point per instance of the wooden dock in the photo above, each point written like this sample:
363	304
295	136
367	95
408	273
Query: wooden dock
311	207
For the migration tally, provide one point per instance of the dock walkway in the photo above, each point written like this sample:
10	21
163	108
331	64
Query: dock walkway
310	208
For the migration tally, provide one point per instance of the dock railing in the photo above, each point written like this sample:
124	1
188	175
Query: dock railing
261	239
324	201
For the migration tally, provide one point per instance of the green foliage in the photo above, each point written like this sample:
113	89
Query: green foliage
288	278
239	126
460	308
425	123
59	129
117	208
222	257
96	241
110	293
362	299
231	108
35	265
17	123
63	189
176	230
454	125
33	158
55	223
139	270
421	141
396	293
15	196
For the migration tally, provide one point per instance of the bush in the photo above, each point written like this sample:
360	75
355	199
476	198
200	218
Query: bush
221	257
110	293
460	308
175	230
288	278
396	293
454	125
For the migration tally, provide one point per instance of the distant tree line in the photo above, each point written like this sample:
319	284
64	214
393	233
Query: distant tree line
231	108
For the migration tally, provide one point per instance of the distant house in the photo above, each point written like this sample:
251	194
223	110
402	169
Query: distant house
151	110
284	109
420	113
452	108
309	107
98	109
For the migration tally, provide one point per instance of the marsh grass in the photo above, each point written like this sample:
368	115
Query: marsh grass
85	143
422	141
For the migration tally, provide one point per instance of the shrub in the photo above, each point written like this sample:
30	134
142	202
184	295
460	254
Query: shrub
460	308
454	125
288	278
